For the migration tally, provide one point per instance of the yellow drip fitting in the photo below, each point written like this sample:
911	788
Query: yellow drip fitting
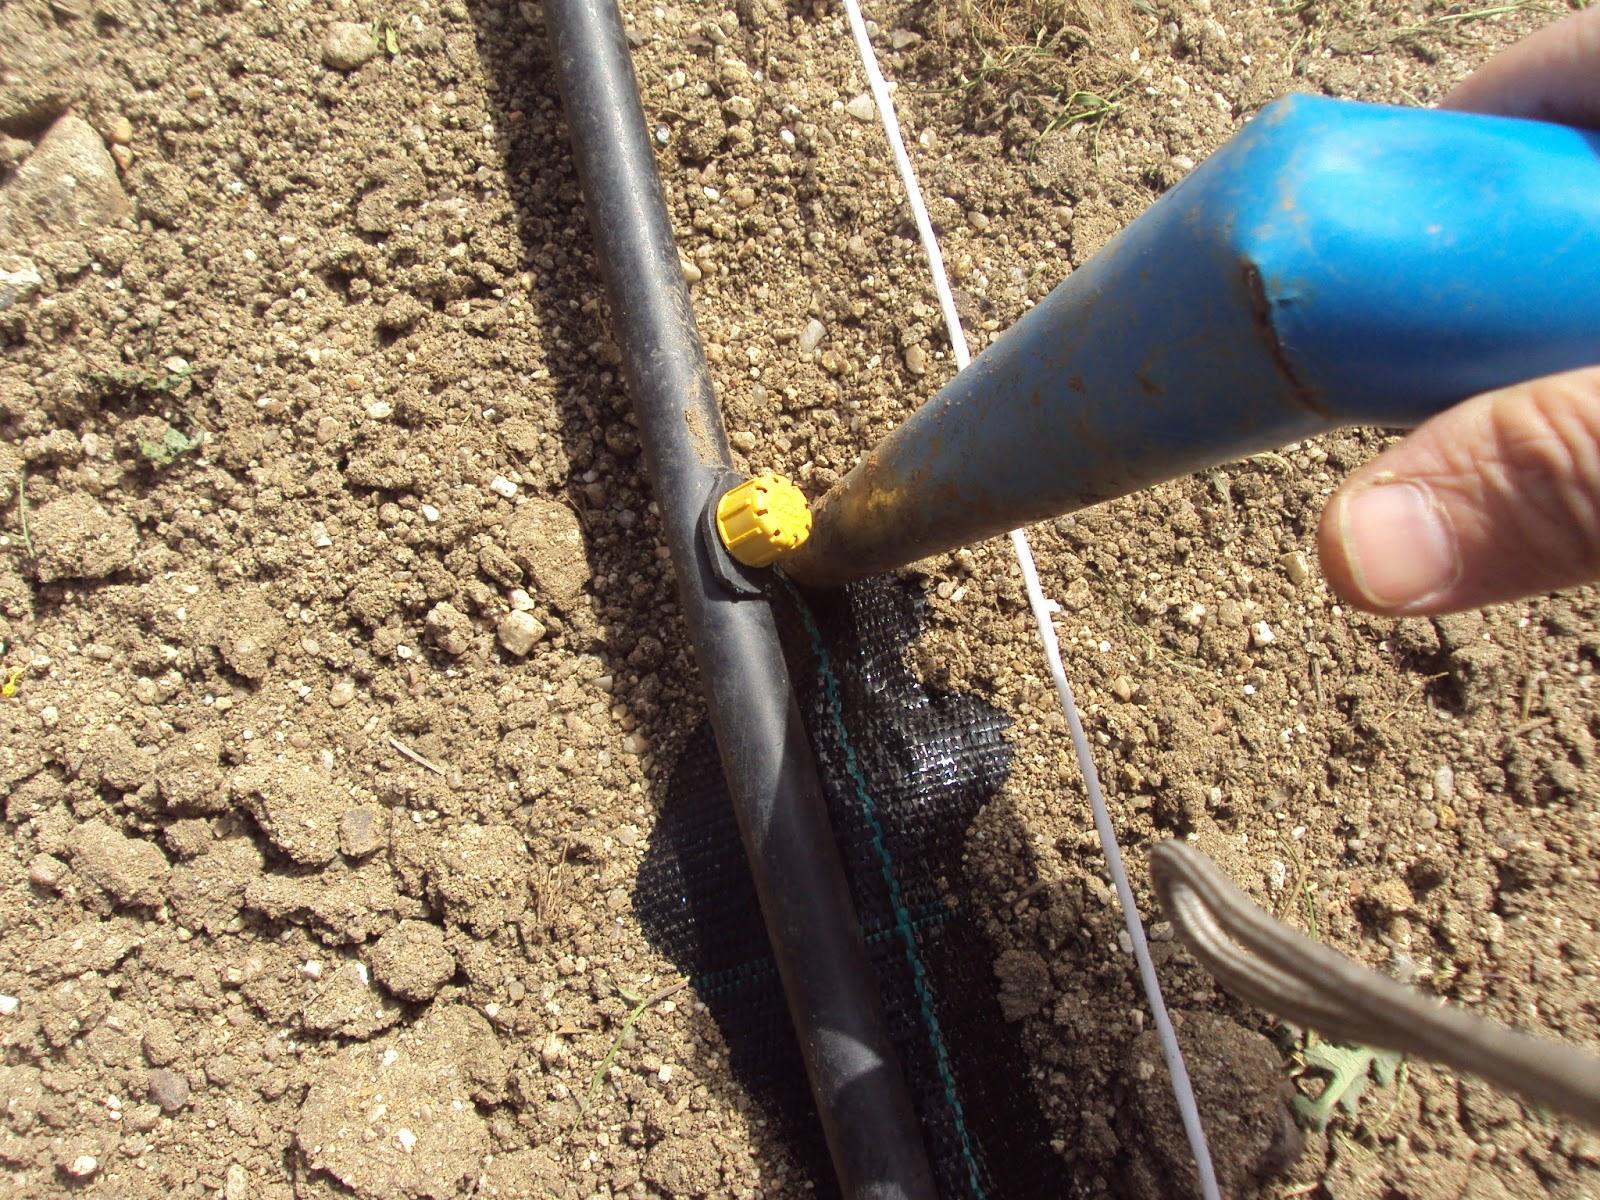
763	519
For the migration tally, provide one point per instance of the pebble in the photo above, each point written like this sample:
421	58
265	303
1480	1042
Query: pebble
1122	687
341	693
501	486
691	273
82	1167
347	45
69	182
518	631
1444	784
360	832
46	871
811	336
236	1184
119	130
8	1006
1296	566
168	1089
20	281
861	107
916	360
742	440
1261	634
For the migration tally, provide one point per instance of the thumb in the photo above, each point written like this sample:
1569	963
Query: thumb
1494	499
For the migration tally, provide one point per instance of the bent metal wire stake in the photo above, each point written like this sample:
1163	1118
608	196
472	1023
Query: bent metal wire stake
867	1116
1269	965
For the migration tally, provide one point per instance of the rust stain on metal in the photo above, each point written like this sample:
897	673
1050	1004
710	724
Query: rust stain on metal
1261	318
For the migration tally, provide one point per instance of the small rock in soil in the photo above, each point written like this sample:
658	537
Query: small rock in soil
67	184
168	1089
361	832
861	107
411	960
78	539
46	871
347	45
519	632
130	870
20	281
811	336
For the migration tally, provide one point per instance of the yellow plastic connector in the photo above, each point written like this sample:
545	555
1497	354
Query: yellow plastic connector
763	519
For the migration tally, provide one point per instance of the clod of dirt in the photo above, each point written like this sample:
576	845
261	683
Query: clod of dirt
78	539
347	1004
129	870
113	760
89	945
1024	983
347	45
208	892
68	183
162	192
396	1118
546	541
523	1175
189	774
297	806
1240	1086
348	908
160	1042
477	873
448	628
411	960
683	1167
246	632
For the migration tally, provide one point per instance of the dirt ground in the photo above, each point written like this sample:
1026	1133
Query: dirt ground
343	673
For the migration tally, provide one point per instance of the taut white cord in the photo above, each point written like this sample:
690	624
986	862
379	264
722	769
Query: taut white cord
1181	1087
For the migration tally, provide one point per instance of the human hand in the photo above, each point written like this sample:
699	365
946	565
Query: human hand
1499	497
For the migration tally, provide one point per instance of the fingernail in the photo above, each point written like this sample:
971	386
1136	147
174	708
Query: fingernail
1399	546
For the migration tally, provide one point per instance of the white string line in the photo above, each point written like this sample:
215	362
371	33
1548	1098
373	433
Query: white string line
1182	1090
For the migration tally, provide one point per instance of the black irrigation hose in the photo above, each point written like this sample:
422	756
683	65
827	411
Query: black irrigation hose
867	1116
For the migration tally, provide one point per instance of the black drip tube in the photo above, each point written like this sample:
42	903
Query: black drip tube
866	1112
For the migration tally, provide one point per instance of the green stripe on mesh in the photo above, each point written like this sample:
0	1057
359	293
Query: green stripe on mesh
904	925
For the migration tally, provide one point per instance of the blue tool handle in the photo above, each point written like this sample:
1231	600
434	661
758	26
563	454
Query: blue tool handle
1333	264
1408	257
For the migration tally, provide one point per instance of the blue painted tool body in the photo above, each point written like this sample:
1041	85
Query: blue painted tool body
1333	264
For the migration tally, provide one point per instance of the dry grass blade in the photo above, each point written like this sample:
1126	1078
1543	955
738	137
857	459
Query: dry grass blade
1275	968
